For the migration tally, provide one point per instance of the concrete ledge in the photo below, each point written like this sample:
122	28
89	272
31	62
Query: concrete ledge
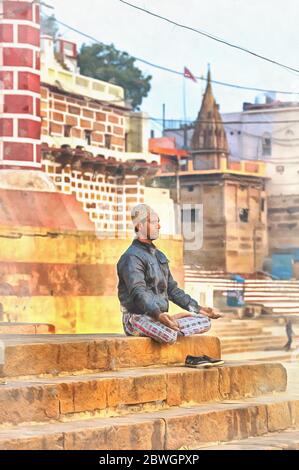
16	328
167	429
285	440
56	354
120	392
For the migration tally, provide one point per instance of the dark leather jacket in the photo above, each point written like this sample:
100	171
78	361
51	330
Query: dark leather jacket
146	284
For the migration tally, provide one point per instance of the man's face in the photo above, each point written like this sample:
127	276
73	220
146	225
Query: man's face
150	228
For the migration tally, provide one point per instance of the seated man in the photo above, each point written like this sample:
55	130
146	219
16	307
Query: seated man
146	286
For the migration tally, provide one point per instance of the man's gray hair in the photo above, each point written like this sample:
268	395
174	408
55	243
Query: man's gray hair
140	213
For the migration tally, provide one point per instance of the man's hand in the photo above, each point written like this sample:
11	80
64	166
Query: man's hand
213	313
169	321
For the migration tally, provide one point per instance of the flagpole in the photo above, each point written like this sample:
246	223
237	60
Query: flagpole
184	99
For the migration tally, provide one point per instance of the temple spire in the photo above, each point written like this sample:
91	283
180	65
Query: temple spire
209	74
209	136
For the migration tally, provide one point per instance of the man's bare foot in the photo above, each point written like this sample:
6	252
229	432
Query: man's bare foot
178	316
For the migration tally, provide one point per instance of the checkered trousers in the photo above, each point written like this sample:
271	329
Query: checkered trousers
143	325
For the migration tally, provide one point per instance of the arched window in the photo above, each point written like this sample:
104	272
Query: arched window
266	144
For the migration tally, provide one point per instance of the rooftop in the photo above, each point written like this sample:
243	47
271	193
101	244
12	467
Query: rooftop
61	71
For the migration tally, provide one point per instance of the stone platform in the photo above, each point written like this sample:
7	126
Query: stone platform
117	393
56	354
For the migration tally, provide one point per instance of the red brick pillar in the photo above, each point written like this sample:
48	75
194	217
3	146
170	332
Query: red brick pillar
20	84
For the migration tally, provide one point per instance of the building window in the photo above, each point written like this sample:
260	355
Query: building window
87	135
108	141
263	204
244	215
67	130
183	164
266	145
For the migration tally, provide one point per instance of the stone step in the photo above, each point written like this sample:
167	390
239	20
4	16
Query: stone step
250	287
284	310
279	296
18	328
234	331
272	304
253	348
114	393
216	325
239	328
176	428
252	341
245	339
256	348
253	345
262	356
285	440
57	354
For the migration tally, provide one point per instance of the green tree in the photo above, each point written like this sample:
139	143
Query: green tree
105	62
49	25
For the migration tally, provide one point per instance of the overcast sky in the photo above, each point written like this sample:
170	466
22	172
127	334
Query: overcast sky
268	27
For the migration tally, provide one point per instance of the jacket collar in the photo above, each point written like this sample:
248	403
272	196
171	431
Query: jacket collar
146	246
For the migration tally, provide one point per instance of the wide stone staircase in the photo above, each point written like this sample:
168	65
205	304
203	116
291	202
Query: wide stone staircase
245	335
267	301
275	297
110	392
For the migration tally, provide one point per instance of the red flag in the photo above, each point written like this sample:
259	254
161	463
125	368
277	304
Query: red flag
188	74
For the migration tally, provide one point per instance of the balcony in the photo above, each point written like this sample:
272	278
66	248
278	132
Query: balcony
182	166
82	85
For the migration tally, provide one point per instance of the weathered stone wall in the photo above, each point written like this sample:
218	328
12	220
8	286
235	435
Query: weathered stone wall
229	243
246	242
67	278
283	218
211	254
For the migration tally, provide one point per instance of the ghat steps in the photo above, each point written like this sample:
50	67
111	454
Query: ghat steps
113	392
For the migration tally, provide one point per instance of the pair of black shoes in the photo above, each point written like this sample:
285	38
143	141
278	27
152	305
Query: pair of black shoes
202	361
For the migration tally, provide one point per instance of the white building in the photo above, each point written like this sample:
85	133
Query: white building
268	132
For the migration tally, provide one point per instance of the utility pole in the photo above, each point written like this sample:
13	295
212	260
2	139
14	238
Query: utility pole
178	183
254	249
185	136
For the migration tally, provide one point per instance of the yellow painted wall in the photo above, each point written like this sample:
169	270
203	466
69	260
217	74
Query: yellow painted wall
72	314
